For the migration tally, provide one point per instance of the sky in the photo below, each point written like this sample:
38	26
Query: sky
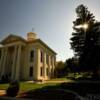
52	20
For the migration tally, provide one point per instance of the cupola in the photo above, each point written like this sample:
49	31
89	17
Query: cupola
31	36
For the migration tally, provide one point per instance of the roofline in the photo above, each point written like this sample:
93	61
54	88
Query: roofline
40	41
1	42
36	40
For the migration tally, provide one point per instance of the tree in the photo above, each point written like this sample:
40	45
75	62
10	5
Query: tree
72	64
79	36
61	69
85	38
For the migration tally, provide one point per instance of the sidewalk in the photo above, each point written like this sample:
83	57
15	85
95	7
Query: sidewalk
2	92
3	97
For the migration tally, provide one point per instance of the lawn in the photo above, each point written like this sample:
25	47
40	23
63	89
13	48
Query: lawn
33	90
31	86
3	86
25	86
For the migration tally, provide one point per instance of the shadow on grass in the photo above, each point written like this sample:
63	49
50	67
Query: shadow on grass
64	91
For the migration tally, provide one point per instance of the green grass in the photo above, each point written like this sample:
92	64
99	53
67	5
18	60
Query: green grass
24	86
30	86
59	79
3	86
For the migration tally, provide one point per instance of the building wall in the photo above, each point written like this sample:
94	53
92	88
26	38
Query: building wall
37	64
41	70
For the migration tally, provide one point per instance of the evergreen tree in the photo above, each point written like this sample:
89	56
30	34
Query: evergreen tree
85	38
84	17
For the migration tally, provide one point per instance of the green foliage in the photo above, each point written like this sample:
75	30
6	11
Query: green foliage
72	64
86	41
4	79
79	35
13	89
61	69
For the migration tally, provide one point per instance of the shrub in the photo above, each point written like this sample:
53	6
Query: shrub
4	79
13	89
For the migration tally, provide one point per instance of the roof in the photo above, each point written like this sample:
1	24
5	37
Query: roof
44	44
12	38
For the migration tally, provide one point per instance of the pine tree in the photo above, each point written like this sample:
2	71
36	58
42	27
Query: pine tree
85	38
84	17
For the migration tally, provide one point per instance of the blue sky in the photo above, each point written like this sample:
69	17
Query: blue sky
51	20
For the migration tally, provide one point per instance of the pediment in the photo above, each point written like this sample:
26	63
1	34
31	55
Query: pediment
11	39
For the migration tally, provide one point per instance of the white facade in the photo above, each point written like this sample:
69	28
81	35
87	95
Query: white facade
29	59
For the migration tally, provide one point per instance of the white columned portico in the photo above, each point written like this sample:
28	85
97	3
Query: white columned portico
18	63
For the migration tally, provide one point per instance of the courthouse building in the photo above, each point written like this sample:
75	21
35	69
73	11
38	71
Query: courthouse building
26	59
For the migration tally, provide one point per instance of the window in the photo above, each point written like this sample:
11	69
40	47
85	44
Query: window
41	71
47	71
31	71
41	56
32	55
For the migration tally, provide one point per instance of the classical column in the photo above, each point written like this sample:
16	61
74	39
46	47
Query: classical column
54	61
49	67
1	61
18	63
53	64
37	64
14	63
4	62
44	64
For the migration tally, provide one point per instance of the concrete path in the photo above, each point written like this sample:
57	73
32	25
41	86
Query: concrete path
3	97
2	92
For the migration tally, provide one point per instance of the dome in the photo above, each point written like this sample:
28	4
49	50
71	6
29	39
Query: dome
31	36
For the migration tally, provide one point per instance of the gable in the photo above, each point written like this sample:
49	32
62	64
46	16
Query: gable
11	39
